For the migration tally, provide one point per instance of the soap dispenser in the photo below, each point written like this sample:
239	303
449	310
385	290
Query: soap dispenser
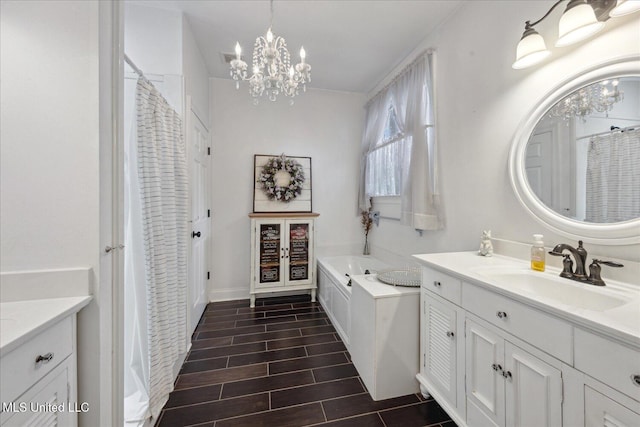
537	253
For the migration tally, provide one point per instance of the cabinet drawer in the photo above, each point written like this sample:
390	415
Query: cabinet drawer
539	329
608	361
19	369
441	284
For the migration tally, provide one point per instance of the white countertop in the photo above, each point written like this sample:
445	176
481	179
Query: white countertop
622	322
21	320
377	289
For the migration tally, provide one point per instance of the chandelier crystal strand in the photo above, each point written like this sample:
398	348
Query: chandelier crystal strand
598	97
272	72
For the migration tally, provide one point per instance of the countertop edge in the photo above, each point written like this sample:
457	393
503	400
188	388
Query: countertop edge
72	305
607	331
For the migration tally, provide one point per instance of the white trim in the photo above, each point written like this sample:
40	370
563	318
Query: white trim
620	233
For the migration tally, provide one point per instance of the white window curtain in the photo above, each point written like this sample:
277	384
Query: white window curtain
613	177
156	236
413	151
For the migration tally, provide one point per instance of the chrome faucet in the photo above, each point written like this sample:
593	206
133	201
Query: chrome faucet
580	256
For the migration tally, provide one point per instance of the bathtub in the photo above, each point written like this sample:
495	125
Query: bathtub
333	292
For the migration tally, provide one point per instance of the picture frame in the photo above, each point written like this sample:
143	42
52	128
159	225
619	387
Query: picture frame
302	203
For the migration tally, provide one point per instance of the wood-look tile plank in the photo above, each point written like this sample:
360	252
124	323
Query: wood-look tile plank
295	342
285	299
369	420
267	356
221	312
330	347
331	373
232	317
273	307
230	332
204	365
210	353
318	315
307	363
218	376
192	396
315	392
211	342
296	324
202	327
201	413
305	310
266	320
298	416
317	330
266	336
362	404
221	305
272	382
422	414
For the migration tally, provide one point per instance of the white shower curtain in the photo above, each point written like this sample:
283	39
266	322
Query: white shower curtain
156	235
613	177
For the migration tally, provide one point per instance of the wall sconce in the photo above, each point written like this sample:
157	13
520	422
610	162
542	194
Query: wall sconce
580	20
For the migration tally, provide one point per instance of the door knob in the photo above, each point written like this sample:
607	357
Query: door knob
195	234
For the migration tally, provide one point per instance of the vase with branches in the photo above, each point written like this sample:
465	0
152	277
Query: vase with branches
367	223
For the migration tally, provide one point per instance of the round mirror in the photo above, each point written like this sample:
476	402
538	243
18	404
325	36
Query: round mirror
575	163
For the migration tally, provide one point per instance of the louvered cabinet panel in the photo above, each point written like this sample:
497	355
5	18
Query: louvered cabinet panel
602	411
440	352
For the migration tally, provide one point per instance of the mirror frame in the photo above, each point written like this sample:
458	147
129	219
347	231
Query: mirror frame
618	233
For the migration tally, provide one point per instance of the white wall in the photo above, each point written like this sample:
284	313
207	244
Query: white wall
323	125
195	71
49	185
481	101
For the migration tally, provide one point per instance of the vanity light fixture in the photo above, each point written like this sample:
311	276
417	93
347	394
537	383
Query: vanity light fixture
580	20
272	72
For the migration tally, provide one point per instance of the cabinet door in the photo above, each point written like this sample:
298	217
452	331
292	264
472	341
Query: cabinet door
601	411
298	252
46	404
484	380
533	390
440	342
270	240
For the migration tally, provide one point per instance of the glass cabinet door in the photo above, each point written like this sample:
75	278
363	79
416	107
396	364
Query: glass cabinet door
298	251
270	253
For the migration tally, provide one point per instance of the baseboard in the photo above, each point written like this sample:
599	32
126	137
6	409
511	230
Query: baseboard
228	294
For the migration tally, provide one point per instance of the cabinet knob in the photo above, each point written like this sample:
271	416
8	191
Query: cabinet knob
450	334
635	379
195	234
496	368
501	314
44	359
507	375
436	283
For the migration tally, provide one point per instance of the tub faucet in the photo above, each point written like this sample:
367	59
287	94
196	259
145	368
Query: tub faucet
580	257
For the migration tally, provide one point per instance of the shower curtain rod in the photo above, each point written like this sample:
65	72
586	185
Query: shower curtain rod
132	65
632	127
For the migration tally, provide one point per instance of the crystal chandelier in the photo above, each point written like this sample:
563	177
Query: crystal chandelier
272	72
598	97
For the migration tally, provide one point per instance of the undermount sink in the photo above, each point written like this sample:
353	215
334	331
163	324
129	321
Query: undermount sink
549	287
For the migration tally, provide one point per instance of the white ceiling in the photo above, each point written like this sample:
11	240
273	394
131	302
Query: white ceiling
351	44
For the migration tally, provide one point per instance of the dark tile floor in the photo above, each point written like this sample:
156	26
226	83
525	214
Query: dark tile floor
280	364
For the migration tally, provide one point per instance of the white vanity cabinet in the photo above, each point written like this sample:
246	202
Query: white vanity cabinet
506	385
282	253
39	379
491	359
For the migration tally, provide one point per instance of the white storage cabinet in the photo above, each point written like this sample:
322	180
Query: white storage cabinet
282	253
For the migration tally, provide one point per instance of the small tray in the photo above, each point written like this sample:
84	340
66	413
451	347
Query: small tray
408	277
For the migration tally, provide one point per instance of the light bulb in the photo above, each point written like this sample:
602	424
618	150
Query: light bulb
238	50
303	54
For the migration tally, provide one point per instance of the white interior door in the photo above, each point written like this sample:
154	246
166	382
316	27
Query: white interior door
538	165
199	156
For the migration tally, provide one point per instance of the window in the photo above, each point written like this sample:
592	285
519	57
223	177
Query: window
384	172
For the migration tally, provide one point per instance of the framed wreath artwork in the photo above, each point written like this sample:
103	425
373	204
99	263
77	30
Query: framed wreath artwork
281	183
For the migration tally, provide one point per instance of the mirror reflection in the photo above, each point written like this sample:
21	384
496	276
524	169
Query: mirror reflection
583	156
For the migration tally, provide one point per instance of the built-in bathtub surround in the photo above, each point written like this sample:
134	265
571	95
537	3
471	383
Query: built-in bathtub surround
334	287
41	284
